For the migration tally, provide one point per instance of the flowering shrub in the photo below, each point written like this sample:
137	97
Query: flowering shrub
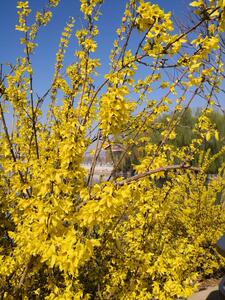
149	236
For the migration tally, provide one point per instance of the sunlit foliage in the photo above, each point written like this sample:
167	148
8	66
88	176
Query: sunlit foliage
64	237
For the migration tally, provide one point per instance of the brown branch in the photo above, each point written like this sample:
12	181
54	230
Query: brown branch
122	55
11	146
140	176
151	172
95	159
34	119
188	31
7	133
23	277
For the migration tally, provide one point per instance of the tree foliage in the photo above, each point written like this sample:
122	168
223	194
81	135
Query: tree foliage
184	134
61	235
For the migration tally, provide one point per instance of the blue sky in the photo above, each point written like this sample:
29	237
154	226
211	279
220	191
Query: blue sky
44	58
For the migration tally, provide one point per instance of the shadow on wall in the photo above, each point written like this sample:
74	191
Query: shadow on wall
213	296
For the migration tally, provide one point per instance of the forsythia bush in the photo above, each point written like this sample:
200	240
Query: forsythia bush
149	236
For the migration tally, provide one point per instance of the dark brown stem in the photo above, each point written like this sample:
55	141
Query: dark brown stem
10	144
151	172
34	119
188	31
